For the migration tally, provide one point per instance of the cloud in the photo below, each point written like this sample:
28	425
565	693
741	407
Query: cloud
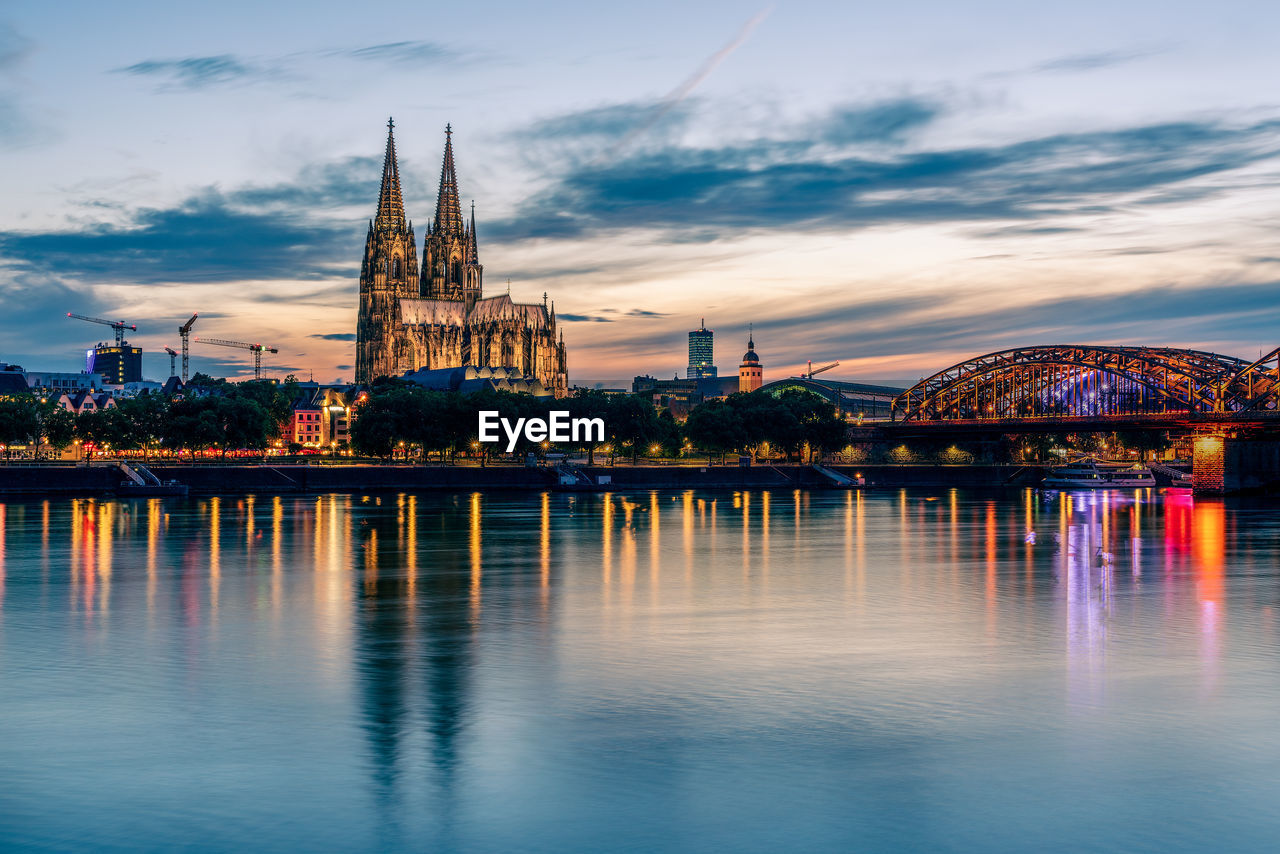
930	333
794	184
1026	231
13	120
584	318
350	181
686	87
886	121
206	238
257	232
1196	315
204	72
14	47
612	121
599	318
17	127
199	72
405	53
1092	61
334	336
35	308
593	134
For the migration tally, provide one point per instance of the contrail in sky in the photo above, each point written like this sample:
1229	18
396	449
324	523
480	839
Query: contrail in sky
682	91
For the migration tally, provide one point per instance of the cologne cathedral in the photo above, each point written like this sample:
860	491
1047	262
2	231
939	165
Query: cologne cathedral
436	317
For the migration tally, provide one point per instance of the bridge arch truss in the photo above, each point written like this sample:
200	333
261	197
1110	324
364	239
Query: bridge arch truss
1072	381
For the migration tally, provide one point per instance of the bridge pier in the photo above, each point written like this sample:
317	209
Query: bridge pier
1208	457
1227	464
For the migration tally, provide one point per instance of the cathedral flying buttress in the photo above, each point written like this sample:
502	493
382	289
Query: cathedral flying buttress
438	316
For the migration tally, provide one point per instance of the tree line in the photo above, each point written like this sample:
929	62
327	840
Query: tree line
212	414
398	417
443	424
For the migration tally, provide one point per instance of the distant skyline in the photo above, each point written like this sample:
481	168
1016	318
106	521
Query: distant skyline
896	188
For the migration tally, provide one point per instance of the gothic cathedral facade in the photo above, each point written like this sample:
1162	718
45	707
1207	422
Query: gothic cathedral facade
437	316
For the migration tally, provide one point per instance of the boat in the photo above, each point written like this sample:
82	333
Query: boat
1087	474
1133	476
1082	475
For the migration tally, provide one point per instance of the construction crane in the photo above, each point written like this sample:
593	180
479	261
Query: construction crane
808	375
185	330
118	326
256	348
173	355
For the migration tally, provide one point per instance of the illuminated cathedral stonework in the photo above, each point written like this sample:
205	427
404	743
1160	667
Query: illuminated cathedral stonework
438	317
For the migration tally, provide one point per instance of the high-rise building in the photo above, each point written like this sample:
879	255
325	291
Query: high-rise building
702	356
436	316
750	372
118	364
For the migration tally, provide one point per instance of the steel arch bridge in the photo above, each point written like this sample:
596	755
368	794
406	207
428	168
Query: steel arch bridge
1075	381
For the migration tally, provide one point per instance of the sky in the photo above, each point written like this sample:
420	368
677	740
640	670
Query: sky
896	187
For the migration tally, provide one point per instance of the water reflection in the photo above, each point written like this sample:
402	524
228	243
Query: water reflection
531	651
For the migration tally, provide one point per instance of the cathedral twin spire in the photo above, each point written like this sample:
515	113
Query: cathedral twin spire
448	207
390	201
448	236
448	220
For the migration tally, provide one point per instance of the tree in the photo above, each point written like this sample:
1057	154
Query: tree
245	423
808	418
715	427
275	400
667	435
374	433
98	429
19	420
589	403
193	424
59	427
756	411
631	421
139	422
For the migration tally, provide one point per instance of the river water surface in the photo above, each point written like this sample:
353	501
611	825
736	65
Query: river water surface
686	672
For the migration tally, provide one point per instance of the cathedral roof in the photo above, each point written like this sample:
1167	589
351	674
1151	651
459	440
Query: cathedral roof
390	201
433	312
444	312
750	357
501	308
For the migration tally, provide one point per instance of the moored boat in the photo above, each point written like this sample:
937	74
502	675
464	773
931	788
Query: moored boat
1134	476
1086	474
1082	475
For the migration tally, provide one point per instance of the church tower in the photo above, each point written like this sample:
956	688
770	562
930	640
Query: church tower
451	268
750	372
388	273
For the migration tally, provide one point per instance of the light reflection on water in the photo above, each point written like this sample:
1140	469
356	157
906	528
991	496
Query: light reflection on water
698	671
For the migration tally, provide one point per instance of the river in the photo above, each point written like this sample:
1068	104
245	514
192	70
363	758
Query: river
689	672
